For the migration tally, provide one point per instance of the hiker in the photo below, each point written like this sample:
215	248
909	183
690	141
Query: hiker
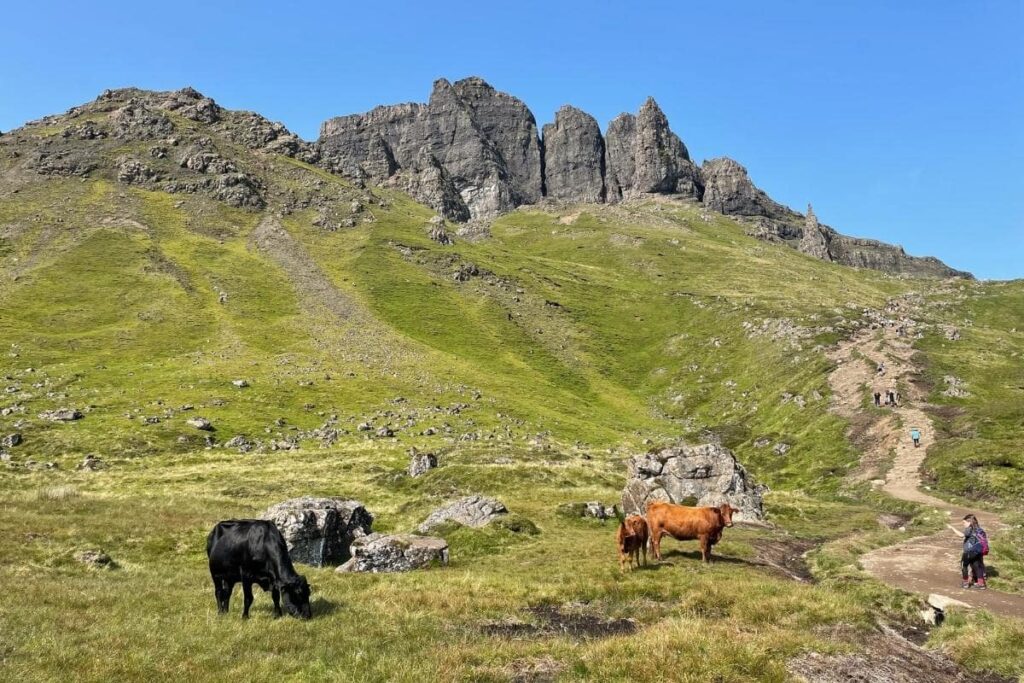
890	397
915	434
975	549
878	397
881	368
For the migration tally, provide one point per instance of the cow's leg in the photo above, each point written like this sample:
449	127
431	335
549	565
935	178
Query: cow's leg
276	594
222	590
247	593
656	543
644	549
705	548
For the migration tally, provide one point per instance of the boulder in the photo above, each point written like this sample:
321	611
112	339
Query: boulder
200	423
421	463
95	558
377	553
708	474
11	440
61	415
471	511
319	531
574	157
91	463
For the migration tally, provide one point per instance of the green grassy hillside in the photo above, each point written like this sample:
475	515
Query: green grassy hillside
535	359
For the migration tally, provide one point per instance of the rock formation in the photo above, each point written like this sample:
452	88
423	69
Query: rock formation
395	553
574	157
479	146
471	511
643	156
319	531
708	474
814	241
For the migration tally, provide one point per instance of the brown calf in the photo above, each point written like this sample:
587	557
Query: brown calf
632	539
688	523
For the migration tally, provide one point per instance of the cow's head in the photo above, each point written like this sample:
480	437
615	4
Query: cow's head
295	596
727	511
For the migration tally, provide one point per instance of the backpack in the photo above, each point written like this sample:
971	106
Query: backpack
983	539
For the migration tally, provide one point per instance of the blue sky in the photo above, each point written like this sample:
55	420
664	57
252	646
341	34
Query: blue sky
902	121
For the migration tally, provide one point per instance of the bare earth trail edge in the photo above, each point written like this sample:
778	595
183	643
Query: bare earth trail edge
924	564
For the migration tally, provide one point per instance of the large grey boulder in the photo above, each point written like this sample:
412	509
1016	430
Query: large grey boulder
574	157
421	463
471	511
395	553
708	474
644	156
319	531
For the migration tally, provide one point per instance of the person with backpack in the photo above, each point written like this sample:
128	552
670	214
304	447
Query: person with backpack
974	551
915	435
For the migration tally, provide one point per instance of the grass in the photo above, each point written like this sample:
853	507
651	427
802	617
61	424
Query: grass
573	345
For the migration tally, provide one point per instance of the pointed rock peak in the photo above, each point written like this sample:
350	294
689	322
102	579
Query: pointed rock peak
811	219
651	105
440	85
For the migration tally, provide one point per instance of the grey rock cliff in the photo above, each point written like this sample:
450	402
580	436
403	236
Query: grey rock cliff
644	156
478	148
574	167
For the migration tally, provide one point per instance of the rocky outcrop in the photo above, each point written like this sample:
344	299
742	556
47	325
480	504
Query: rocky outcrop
471	511
378	553
708	474
814	241
474	142
729	190
319	531
574	165
644	156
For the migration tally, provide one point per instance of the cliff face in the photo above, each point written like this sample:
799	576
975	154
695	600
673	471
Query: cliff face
472	152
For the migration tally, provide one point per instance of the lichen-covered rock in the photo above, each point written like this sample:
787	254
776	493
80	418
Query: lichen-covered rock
95	558
574	157
319	531
708	474
471	511
644	156
136	121
395	553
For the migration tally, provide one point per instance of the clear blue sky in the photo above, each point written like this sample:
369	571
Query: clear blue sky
902	121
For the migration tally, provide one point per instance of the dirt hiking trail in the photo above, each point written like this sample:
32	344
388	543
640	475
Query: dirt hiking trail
925	564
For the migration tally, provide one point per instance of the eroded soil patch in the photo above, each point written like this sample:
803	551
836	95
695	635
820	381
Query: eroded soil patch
549	620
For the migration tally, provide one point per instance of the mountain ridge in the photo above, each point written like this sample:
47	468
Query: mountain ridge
471	153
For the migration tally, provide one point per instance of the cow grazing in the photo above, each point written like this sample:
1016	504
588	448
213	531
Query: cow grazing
688	523
252	551
631	538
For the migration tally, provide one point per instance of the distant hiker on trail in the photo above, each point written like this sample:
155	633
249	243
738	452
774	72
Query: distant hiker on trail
975	549
881	368
890	397
915	434
878	397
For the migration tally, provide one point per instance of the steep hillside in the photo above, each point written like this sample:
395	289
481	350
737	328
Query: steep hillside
164	260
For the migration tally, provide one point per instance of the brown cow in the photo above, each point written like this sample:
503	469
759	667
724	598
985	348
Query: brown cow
688	523
631	538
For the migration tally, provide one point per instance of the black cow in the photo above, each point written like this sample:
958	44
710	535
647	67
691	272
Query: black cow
253	551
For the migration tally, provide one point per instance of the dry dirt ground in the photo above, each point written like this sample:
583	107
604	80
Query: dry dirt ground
926	564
